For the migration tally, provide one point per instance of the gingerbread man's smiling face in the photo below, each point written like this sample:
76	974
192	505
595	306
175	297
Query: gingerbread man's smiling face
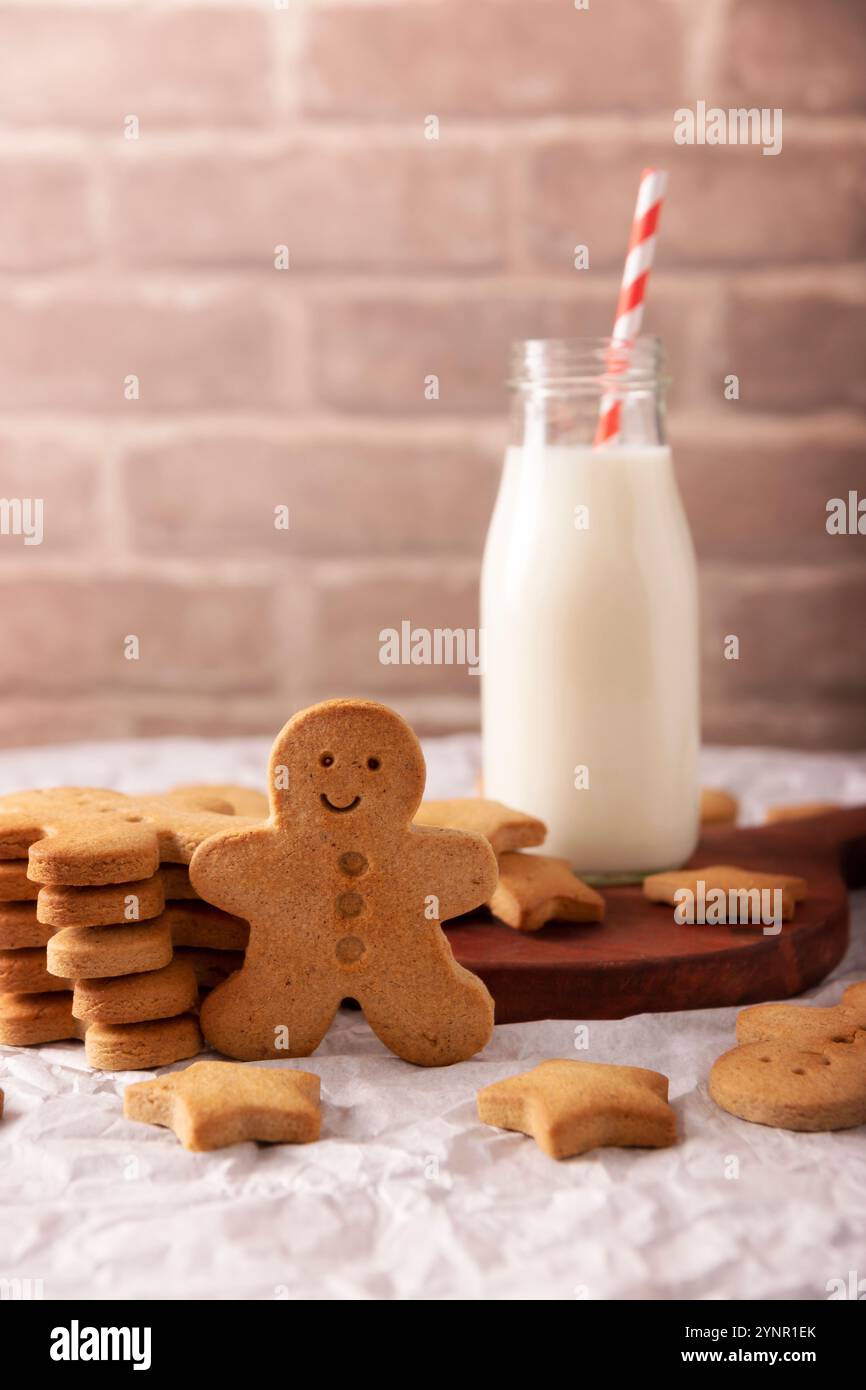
347	763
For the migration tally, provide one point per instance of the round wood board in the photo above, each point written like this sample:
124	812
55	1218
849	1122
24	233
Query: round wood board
640	961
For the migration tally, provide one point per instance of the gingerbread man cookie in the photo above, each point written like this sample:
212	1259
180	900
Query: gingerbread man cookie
345	898
797	1067
87	836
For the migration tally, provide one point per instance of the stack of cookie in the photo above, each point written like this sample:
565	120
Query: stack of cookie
136	1003
35	1005
210	940
105	968
533	889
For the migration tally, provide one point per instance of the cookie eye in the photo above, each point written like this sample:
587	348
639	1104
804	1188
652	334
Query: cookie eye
327	760
373	764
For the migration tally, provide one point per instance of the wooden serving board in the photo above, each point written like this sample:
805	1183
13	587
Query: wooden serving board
640	961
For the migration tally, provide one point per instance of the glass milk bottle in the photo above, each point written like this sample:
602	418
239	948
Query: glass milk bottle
589	605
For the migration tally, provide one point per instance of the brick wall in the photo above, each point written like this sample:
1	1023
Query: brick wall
261	125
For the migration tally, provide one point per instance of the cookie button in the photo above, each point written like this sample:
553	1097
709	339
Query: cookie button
353	863
350	904
349	950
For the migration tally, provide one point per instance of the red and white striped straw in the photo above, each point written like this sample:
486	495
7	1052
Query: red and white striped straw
632	292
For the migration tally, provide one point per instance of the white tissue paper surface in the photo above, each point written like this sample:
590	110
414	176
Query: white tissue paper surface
407	1195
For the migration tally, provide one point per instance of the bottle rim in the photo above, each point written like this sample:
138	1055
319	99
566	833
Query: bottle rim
591	364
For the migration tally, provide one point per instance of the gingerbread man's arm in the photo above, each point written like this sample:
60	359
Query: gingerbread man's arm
459	866
225	866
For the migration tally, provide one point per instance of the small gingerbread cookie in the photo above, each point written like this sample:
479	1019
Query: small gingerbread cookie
211	966
135	1046
213	1104
797	1067
136	998
718	807
87	953
816	1087
15	886
345	898
534	889
175	882
569	1107
85	836
199	924
802	810
804	1023
27	1020
505	829
19	926
242	801
102	906
727	879
26	971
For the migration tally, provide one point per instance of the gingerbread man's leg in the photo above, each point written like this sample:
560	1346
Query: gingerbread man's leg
433	1014
298	1017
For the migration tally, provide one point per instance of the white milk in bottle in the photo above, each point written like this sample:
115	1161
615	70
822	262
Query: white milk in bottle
590	707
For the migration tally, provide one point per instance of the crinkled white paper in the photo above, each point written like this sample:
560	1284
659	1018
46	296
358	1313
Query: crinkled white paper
407	1195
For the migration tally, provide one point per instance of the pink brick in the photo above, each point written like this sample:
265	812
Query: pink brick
203	636
810	721
28	720
203	347
810	56
730	206
236	715
214	493
762	495
45	220
46	649
372	205
226	715
449	57
95	65
434	715
796	351
66	477
67	634
464	339
355	604
794	626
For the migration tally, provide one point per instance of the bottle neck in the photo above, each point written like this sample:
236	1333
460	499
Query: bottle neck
560	387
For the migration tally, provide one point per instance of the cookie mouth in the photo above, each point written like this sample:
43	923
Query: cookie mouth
341	810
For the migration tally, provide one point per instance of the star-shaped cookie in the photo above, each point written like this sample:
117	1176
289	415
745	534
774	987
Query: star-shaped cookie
662	888
569	1107
534	889
504	828
212	1104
